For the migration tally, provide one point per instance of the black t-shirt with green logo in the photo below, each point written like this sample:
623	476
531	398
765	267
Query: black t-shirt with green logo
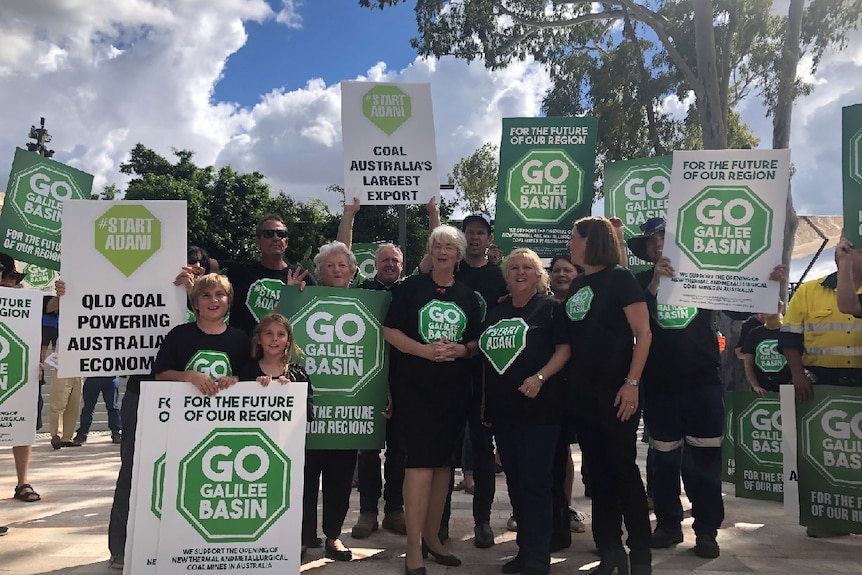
487	280
680	358
599	331
242	276
425	312
184	342
770	366
519	342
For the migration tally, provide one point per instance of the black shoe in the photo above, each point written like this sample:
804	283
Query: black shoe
55	442
484	536
416	571
706	546
641	569
616	561
315	543
662	539
330	552
516	565
447	560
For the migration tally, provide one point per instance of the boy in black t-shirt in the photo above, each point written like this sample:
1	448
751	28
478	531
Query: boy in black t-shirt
765	367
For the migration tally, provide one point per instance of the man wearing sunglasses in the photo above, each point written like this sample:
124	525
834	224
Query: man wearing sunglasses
260	281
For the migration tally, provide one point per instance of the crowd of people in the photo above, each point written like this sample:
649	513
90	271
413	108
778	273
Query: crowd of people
527	362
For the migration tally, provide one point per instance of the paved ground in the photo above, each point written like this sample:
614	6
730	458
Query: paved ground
65	533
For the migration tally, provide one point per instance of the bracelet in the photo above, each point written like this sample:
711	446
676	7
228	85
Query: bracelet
632	382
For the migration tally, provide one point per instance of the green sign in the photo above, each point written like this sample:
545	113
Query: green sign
759	459
387	107
38	277
579	304
439	319
233	485
851	170
214	364
829	433
14	357
127	235
674	316
503	342
724	228
340	333
728	445
31	219
263	296
768	358
365	258
635	191
545	181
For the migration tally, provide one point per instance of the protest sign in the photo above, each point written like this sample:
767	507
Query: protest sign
390	156
33	207
545	182
340	334
20	336
758	446
851	172
728	445
787	398
119	266
725	229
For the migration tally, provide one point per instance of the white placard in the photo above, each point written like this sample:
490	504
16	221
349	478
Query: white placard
20	336
390	157
725	229
119	262
233	480
787	398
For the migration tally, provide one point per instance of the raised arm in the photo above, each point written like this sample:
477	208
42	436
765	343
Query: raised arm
345	226
433	223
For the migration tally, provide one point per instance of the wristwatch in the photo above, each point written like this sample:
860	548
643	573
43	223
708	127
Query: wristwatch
541	377
632	382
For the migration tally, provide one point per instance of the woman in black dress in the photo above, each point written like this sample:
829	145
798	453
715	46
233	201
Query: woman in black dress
434	322
610	337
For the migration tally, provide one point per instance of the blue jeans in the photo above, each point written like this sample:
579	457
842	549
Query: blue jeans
109	389
527	454
686	430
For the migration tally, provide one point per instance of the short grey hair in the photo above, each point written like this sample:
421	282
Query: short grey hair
389	246
334	247
451	234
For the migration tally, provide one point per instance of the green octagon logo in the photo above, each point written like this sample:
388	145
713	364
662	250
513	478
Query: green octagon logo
855	150
674	316
263	296
579	304
127	235
387	107
214	364
14	358
503	342
342	344
38	277
760	432
544	186
365	258
37	194
158	491
831	436
768	358
439	319
724	228
234	485
641	194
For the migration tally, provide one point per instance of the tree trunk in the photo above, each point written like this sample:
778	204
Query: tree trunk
709	108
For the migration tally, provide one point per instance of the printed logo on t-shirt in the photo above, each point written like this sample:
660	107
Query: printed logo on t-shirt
263	296
579	304
674	316
483	305
439	319
768	358
503	342
214	364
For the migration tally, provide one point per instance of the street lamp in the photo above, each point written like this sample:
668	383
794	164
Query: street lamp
42	137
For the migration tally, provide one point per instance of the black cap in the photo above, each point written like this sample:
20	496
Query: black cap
638	244
481	217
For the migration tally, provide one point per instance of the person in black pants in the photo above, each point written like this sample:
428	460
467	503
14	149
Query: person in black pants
610	338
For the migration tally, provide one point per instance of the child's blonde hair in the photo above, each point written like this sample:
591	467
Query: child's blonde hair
207	282
290	350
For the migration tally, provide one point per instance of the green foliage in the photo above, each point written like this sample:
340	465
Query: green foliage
475	179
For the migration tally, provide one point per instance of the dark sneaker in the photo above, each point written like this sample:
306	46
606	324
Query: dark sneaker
516	565
115	438
576	521
117	561
706	547
366	525
394	522
80	439
484	536
662	539
511	524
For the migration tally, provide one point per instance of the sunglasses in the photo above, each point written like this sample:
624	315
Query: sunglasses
652	226
199	262
269	234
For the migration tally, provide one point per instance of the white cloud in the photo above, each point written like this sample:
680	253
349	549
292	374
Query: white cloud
289	14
